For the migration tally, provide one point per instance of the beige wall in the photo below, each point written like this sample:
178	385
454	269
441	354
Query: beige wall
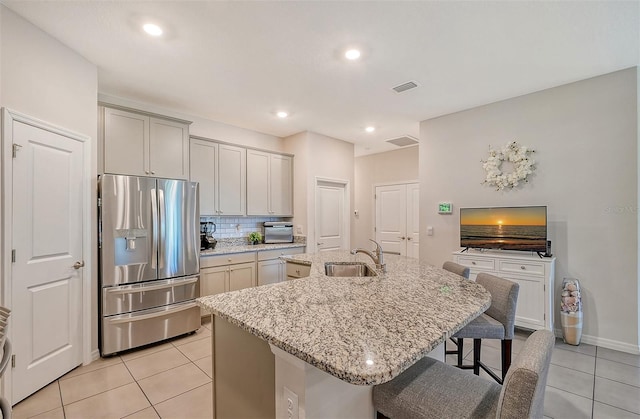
586	141
317	156
398	166
43	78
207	128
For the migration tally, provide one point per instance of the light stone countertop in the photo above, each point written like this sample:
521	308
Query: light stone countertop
362	330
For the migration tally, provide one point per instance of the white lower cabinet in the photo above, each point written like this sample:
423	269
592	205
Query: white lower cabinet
225	273
535	276
270	268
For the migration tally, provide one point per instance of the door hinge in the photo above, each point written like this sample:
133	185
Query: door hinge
13	255
13	361
99	202
16	148
375	229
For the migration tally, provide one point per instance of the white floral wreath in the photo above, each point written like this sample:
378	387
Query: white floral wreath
523	165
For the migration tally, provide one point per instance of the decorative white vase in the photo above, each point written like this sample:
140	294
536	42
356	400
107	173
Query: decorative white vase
571	311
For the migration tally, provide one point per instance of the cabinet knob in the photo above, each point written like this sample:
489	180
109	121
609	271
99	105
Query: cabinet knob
473	262
229	260
409	238
153	173
523	268
146	172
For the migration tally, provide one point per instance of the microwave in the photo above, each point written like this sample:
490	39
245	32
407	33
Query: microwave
278	232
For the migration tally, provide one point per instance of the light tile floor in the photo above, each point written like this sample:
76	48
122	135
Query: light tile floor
173	380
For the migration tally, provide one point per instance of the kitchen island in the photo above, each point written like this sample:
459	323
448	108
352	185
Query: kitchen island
332	337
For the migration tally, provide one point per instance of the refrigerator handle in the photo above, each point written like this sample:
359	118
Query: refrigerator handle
162	229
155	224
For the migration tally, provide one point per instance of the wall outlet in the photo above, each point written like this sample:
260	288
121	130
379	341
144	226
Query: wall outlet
291	403
429	230
298	229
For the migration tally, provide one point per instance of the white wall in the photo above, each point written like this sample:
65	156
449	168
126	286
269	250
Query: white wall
317	156
207	128
585	137
399	166
43	78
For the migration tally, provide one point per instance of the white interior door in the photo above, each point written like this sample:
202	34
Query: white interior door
397	218
391	218
413	220
331	229
46	288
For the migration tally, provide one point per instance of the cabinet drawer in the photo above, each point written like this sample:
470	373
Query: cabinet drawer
477	263
230	259
276	253
530	268
297	270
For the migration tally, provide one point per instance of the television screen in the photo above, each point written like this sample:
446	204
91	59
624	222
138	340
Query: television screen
506	228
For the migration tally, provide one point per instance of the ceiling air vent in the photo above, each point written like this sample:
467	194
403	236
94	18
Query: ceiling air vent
405	86
403	141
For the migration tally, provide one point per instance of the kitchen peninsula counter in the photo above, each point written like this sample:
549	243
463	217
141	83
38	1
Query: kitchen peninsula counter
360	330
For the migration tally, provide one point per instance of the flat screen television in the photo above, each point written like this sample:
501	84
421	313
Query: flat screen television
505	228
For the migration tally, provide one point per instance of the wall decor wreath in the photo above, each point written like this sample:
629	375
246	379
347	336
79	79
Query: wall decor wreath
519	156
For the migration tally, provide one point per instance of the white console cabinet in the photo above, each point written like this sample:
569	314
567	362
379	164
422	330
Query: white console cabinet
534	274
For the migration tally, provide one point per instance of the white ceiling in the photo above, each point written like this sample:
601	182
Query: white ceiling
239	62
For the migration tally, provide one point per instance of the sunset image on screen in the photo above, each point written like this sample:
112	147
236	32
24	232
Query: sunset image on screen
513	228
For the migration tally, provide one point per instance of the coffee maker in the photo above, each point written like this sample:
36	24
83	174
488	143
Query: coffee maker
206	235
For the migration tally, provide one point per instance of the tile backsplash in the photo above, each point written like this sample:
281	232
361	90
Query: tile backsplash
232	227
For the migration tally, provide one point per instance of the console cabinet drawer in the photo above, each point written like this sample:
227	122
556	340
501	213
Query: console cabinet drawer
522	267
477	263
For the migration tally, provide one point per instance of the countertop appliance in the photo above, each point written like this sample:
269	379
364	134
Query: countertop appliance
149	260
207	241
278	232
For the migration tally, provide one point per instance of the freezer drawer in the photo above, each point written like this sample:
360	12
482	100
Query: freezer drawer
128	331
128	298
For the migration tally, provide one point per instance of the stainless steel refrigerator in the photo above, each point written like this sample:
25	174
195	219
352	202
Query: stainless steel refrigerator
149	260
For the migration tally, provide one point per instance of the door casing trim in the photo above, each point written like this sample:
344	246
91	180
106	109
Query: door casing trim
6	217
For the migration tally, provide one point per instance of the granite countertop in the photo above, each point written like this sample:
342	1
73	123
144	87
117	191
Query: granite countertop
362	330
242	248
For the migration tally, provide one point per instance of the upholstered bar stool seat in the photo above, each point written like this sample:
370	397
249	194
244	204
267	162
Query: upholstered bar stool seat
498	322
431	389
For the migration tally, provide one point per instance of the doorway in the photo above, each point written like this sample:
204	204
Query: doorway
331	215
46	250
397	218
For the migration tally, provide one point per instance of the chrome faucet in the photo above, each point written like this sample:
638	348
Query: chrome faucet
377	256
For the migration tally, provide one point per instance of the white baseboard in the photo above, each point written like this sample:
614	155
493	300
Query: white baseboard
95	354
606	343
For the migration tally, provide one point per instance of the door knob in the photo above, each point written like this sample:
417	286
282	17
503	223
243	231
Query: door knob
78	265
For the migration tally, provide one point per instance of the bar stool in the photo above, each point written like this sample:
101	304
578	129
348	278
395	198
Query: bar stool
498	322
434	390
463	271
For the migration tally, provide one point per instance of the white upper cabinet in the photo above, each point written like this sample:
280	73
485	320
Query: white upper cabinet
232	180
203	169
269	184
221	171
138	144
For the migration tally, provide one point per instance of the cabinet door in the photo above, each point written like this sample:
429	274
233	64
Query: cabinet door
232	180
281	185
202	169
270	272
242	276
168	149
213	281
530	309
125	142
258	183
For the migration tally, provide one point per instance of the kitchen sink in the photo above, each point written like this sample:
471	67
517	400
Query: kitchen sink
348	269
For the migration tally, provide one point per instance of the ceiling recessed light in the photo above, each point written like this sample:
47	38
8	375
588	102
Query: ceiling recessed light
282	114
352	54
370	129
151	29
